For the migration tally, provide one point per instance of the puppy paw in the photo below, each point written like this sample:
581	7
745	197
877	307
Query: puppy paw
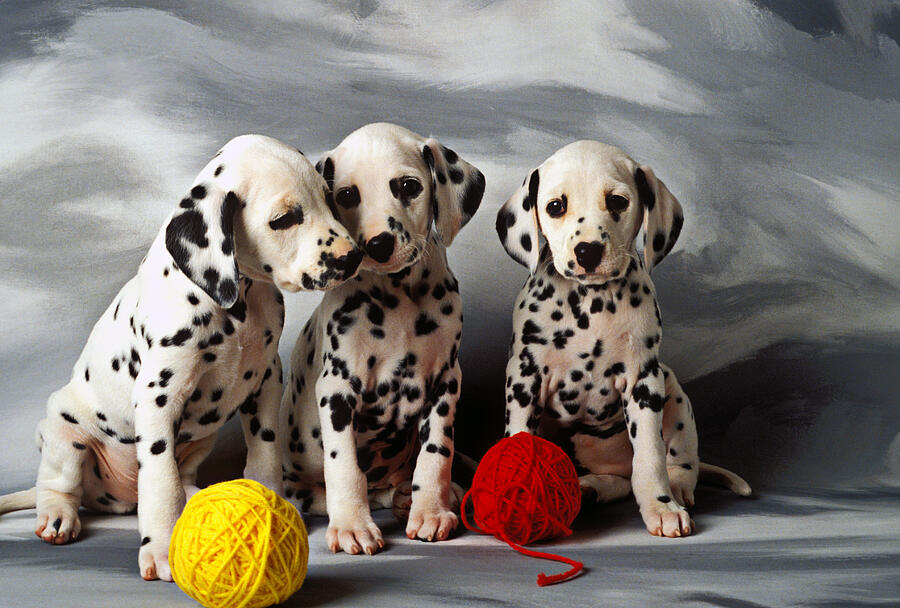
402	499
667	518
682	483
430	521
58	524
153	561
357	536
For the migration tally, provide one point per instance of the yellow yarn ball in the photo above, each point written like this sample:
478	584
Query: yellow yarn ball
239	545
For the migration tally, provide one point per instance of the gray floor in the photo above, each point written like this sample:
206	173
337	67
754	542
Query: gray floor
786	549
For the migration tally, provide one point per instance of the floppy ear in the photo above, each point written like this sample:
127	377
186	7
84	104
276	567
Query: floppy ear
325	168
456	189
517	224
200	238
663	216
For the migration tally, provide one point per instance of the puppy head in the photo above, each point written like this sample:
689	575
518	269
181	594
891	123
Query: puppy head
589	201
259	206
391	185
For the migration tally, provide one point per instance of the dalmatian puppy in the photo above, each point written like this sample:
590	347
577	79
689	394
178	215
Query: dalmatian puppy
187	343
583	369
374	374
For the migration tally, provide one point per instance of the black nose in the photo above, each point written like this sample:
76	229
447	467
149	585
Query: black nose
589	254
350	262
380	247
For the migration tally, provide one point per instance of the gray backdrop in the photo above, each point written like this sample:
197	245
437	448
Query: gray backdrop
776	123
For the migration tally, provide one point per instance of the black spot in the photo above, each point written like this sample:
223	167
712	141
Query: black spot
158	447
531	333
267	435
526	242
645	192
209	417
375	314
424	325
145	540
180	337
663	499
505	221
471	197
219	170
161	400
659	241
341	411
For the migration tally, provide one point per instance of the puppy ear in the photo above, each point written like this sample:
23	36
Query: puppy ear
456	189
517	224
325	167
200	238
663	216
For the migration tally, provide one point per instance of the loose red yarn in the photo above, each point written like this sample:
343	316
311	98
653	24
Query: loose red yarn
526	489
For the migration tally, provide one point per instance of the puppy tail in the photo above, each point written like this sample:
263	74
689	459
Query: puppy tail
710	473
17	501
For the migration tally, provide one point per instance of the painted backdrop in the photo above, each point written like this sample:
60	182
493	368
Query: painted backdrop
777	124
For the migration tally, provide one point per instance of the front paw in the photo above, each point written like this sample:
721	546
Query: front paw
430	521
153	560
354	535
665	517
58	524
402	499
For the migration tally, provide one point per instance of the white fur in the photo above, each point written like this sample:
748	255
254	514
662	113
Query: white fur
374	374
186	343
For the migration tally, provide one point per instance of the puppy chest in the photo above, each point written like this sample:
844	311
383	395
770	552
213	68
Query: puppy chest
244	365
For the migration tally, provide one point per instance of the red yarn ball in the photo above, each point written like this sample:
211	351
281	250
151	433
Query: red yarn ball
524	490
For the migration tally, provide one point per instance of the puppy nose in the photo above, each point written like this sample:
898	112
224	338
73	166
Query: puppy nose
349	262
589	254
380	247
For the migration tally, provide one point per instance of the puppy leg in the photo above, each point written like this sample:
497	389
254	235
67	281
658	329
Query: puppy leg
523	388
59	480
603	488
431	516
259	419
350	527
680	437
161	495
190	459
662	515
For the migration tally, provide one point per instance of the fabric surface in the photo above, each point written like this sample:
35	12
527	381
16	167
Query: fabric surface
774	123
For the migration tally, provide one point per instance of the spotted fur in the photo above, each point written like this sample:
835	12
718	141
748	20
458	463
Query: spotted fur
375	378
186	344
584	367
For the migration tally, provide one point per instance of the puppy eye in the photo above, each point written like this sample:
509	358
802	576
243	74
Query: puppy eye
291	218
556	207
410	187
347	197
614	202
